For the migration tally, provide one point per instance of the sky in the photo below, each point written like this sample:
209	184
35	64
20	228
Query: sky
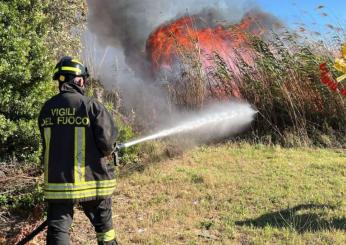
293	13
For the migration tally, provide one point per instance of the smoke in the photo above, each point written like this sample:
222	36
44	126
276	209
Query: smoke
126	24
123	26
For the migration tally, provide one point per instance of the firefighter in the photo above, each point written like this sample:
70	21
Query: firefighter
78	135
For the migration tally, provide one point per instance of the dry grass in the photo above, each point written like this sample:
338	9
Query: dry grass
227	194
232	194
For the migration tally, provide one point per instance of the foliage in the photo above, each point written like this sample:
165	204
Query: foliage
285	87
66	20
28	199
21	189
282	82
125	134
31	33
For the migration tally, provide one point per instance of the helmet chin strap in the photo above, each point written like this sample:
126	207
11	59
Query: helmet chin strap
80	81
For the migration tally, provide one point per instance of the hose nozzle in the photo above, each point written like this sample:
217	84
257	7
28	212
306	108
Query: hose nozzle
119	146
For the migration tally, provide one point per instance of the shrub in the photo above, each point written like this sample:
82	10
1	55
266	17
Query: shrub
285	87
31	32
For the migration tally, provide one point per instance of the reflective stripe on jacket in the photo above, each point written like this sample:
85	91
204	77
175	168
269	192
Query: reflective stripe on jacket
77	134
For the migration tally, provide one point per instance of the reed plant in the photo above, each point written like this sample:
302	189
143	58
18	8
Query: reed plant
282	82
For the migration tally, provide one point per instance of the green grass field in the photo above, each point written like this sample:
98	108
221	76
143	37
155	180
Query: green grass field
233	194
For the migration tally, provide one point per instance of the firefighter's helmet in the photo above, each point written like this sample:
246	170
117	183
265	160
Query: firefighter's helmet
69	67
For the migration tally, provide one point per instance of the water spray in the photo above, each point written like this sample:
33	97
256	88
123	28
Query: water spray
220	119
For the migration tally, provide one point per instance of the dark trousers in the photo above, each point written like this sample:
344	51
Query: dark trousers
60	216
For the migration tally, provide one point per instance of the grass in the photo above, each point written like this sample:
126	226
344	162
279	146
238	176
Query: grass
233	194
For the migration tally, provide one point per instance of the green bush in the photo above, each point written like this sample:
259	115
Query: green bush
22	198
125	134
31	32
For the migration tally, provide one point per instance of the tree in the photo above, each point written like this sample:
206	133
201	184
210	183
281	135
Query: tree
33	35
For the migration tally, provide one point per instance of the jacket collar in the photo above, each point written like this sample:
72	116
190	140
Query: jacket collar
71	87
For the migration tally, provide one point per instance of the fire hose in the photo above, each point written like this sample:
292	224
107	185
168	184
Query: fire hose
41	227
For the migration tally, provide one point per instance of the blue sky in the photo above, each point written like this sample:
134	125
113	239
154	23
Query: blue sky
305	11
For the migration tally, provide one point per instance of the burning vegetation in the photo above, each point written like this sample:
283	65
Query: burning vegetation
210	46
196	59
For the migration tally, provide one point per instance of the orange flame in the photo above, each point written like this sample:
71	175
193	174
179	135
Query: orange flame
172	41
182	35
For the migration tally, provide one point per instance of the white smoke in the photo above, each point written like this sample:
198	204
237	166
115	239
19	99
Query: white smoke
125	25
116	38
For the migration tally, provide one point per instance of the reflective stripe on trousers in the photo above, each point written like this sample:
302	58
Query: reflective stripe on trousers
106	236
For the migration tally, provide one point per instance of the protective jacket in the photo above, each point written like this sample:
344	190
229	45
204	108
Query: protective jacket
77	135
